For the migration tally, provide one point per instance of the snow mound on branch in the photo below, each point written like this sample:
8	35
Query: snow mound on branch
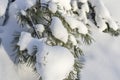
102	15
52	7
54	63
58	30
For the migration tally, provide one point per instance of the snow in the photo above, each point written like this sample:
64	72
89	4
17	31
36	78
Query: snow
58	30
9	68
63	4
83	1
25	4
23	12
40	28
74	23
24	40
52	7
83	12
54	63
73	40
103	15
101	58
3	7
74	5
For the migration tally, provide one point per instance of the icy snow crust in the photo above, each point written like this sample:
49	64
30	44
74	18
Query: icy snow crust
52	62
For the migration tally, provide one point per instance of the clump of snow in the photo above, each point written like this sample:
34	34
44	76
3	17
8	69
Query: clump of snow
52	7
3	7
102	15
40	28
54	63
58	30
24	40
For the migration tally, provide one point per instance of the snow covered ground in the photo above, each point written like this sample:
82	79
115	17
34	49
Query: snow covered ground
101	58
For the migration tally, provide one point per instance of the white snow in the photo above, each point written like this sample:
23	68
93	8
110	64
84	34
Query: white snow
63	4
103	15
52	7
9	72
74	5
3	7
74	23
40	28
54	63
24	40
73	40
82	28
83	12
23	12
83	1
24	4
102	58
58	30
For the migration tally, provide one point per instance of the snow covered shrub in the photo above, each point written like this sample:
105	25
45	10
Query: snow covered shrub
55	29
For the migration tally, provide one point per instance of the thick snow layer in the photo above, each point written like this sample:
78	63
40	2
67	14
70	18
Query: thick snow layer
3	7
54	63
58	30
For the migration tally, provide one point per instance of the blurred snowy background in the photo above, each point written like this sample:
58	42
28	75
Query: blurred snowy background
101	58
